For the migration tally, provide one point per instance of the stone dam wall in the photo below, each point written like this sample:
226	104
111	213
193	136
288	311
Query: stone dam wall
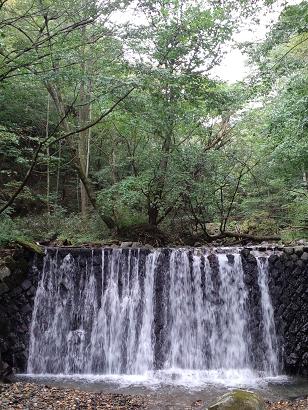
289	293
288	286
19	274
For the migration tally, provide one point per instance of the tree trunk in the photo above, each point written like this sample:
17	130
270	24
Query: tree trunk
83	155
159	183
107	220
153	213
48	158
84	118
58	171
305	177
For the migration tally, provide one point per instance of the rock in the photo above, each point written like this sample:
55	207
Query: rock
110	242
3	288
31	291
290	264
5	372
148	246
294	257
246	252
4	272
299	250
26	284
304	256
137	245
300	263
239	400
126	244
288	250
30	246
292	359
230	259
26	309
251	258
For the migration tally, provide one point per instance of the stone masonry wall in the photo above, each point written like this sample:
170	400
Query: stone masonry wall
18	283
288	286
288	283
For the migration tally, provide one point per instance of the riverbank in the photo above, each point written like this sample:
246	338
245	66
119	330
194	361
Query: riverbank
30	396
22	396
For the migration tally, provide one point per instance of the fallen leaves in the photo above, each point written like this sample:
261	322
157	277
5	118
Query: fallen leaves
289	405
30	396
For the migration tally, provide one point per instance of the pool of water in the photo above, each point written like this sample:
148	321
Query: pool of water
178	389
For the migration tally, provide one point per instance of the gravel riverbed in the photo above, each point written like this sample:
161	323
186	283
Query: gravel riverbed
30	396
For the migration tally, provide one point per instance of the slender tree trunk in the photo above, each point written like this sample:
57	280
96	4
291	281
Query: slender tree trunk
305	177
113	163
58	170
83	144
89	142
83	155
160	183
154	207
48	157
77	193
84	117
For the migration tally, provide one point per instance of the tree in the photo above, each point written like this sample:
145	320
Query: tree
174	53
282	60
131	121
59	69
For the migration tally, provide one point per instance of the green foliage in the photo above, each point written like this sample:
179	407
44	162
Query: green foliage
125	201
8	231
59	227
183	151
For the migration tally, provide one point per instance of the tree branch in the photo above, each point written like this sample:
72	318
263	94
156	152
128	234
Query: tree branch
46	140
254	238
99	119
289	51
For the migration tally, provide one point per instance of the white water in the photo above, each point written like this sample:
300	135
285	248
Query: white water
118	318
270	362
231	348
196	380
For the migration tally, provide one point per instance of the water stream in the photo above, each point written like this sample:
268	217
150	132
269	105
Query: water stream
270	362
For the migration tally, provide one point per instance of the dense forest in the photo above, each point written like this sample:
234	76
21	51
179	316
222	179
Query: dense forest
113	124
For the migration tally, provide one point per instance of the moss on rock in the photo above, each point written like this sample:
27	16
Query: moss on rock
239	400
31	246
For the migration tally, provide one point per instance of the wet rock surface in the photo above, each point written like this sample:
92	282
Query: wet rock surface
288	284
239	399
18	283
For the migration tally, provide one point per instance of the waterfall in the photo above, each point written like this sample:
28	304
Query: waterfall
131	311
270	360
231	349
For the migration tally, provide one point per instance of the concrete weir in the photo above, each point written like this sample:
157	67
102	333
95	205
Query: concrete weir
137	310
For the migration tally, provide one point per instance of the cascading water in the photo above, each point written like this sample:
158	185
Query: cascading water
270	361
204	334
132	311
231	347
